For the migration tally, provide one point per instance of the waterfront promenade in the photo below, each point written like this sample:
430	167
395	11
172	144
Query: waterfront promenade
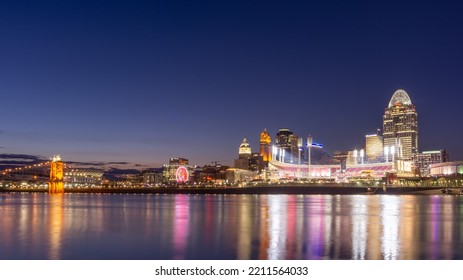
286	189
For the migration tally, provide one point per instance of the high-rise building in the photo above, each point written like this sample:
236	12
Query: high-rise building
245	149
374	147
244	154
426	158
287	144
400	127
294	149
247	160
265	146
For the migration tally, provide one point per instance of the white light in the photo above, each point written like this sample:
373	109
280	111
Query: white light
299	142
392	150
386	150
309	141
355	153
362	153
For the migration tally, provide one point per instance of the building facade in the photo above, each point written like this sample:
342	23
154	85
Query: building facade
424	160
400	127
287	146
374	147
244	149
247	160
211	175
265	146
447	169
244	154
152	177
170	171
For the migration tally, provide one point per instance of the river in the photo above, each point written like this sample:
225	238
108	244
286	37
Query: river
167	226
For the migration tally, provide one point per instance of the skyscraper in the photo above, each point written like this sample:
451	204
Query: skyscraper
286	143
283	144
247	160
245	149
400	127
244	154
374	147
265	147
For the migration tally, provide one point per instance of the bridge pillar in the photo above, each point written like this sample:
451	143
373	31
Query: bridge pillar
56	184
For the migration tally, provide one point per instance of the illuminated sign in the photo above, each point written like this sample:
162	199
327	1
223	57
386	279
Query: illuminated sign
181	174
315	145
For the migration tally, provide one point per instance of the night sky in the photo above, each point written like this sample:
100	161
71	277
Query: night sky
143	81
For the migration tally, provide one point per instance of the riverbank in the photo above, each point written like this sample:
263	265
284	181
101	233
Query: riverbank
287	189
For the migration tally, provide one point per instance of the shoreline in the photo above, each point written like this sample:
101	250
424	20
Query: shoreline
287	189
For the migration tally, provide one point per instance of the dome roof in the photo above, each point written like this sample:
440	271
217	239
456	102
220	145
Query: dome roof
400	96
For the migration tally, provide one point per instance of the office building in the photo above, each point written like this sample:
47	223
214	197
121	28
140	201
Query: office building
247	160
287	146
244	154
244	149
400	127
426	158
374	147
265	146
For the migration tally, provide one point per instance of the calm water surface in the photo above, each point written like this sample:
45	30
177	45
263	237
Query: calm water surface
127	226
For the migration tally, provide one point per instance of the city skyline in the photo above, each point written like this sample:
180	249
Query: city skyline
140	83
248	149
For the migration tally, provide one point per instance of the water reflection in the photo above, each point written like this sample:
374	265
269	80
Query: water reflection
390	222
55	225
263	229
245	232
71	226
359	227
181	224
277	227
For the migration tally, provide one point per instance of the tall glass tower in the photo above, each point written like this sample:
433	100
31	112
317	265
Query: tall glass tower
400	127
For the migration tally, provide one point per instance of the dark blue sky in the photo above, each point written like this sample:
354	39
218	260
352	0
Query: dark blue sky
143	81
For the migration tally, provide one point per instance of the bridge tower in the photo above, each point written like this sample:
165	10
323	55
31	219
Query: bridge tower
56	184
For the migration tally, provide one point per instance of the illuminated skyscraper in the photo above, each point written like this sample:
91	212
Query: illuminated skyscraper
265	146
244	155
245	149
286	143
374	147
247	160
283	144
400	127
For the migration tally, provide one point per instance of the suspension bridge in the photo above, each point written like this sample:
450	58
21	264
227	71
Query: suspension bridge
49	173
